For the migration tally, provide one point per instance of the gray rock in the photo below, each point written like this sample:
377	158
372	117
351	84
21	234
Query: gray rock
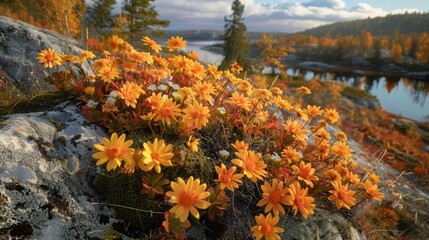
45	173
20	43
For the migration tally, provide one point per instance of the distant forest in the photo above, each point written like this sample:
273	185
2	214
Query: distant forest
404	23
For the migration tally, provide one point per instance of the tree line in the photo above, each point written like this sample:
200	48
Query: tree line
72	17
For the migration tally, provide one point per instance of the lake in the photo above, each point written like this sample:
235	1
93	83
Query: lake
397	94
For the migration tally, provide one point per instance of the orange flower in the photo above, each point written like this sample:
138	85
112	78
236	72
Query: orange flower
304	90
305	173
187	197
193	145
290	155
48	57
86	54
342	150
372	190
227	177
156	100
129	92
240	145
213	72
341	195
300	201
151	43
108	73
274	196
156	154
193	55
196	115
113	151
295	128
266	227
331	115
175	43
203	90
236	68
240	100
168	111
89	90
313	111
251	163
114	41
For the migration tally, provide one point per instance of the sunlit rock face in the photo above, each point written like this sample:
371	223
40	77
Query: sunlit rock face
45	174
20	44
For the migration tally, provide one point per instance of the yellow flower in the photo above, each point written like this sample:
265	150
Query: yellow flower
341	149
156	154
251	163
196	70
300	201
168	111
89	90
240	100
193	145
129	92
48	57
240	145
304	90
108	73
290	155
372	190
331	115
196	116
236	68
113	151
203	90
266	227
274	196
86	54
175	43
193	55
188	197
227	177
341	195
114	41
213	72
296	129
151	43
313	111
305	173
341	136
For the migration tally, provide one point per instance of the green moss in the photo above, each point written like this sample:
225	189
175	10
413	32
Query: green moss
355	92
124	190
40	102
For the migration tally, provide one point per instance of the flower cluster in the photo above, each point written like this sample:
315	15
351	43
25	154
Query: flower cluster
283	146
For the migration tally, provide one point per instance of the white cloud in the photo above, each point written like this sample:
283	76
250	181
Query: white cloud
284	16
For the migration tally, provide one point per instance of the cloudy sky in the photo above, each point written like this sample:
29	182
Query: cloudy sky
278	15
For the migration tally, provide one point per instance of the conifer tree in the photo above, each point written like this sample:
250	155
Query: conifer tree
235	44
142	17
100	16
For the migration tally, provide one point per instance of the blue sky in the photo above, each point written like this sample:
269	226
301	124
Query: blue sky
278	15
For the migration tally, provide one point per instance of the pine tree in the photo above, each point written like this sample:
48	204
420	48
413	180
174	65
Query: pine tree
100	16
142	17
235	37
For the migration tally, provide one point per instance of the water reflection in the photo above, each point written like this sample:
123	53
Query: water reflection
397	94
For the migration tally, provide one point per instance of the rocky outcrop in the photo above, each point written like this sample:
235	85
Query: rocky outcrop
20	44
45	174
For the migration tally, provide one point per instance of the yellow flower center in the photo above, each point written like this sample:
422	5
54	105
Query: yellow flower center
187	198
113	153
